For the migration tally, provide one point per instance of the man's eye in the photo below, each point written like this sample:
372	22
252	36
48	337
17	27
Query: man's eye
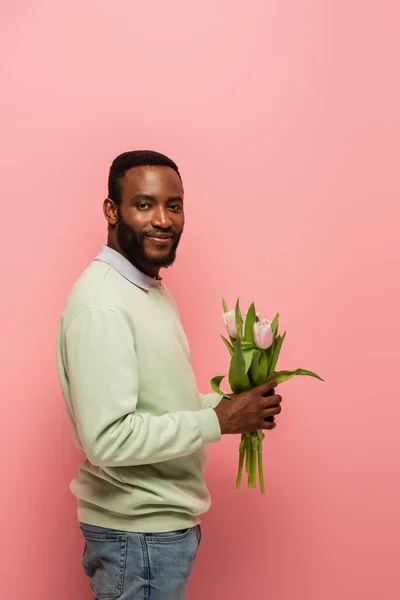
175	207
143	205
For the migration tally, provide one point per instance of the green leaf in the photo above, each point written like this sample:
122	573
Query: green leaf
248	358
248	345
282	376
275	325
239	320
254	368
251	318
269	352
275	352
228	345
263	368
224	304
215	383
238	379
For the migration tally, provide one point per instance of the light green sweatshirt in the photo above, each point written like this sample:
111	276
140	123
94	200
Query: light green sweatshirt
136	413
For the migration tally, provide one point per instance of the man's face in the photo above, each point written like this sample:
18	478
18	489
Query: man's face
150	217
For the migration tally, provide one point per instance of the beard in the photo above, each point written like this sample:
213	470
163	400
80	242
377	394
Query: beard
132	244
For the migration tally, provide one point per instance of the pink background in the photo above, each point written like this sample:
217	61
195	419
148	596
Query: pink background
284	119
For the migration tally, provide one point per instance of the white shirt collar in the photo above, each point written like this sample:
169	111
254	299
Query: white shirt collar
125	268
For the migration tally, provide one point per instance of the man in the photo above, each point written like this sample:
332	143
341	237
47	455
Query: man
135	410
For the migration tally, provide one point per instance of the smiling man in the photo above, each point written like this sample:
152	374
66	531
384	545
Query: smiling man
148	225
135	410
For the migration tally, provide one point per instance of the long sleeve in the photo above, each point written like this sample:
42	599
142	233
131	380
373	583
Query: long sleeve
210	400
101	365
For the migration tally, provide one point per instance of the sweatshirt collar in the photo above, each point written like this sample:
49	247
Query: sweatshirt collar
125	268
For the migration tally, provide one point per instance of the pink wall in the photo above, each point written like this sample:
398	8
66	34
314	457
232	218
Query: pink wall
284	119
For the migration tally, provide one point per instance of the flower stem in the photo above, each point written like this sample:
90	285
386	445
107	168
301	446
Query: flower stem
253	468
248	452
242	451
260	462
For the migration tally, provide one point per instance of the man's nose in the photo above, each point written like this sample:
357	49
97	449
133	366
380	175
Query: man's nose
161	218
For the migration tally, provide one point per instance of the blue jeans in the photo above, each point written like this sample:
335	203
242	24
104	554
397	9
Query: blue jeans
139	566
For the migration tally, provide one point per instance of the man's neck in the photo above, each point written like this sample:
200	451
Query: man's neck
150	272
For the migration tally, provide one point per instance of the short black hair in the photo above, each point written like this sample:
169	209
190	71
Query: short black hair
136	158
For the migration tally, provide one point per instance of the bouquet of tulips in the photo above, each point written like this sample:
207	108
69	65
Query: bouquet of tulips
254	347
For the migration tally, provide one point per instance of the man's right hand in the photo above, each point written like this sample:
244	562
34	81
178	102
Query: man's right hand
247	411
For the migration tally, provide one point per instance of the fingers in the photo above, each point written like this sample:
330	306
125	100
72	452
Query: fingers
268	425
271	412
271	400
265	387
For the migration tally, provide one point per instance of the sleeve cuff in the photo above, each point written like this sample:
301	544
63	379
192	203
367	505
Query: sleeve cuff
208	423
210	400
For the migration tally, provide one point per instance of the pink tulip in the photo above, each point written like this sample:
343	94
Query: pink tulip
230	324
263	334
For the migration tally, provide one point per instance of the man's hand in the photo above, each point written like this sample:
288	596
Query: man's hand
250	410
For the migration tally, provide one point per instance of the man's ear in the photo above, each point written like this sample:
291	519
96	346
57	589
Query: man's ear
110	210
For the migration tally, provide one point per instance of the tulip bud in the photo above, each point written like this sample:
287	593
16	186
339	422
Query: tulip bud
230	324
262	332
